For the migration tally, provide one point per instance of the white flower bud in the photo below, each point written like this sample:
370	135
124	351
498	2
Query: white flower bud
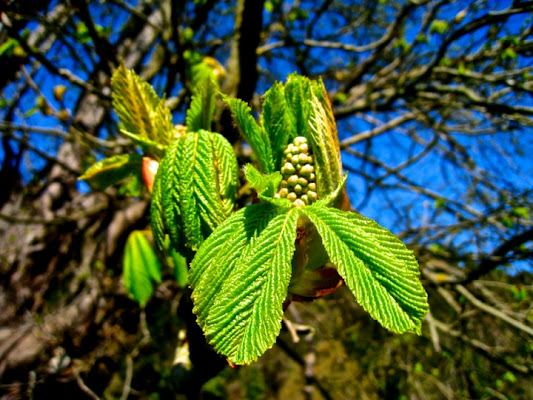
299	203
299	140
293	180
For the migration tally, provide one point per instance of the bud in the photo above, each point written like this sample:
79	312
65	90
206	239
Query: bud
148	171
59	92
298	173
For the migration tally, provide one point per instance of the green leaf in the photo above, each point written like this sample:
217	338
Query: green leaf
325	144
141	112
266	185
198	178
157	214
277	122
377	267
333	198
255	136
240	278
148	146
112	170
141	267
200	113
297	92
179	267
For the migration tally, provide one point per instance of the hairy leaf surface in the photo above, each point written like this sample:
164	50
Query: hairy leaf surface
157	215
266	186
200	113
240	278
256	137
197	178
323	137
140	110
277	122
297	92
377	267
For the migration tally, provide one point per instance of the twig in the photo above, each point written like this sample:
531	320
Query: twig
384	127
127	379
85	388
145	338
433	332
493	311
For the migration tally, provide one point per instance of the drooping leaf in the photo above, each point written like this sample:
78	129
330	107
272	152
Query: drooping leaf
179	267
112	170
200	113
377	267
141	267
141	112
256	137
198	178
276	121
240	278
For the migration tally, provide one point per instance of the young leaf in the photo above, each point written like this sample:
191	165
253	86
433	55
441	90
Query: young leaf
138	107
148	146
239	289
266	185
323	137
377	267
141	267
179	267
112	170
198	179
297	92
256	137
200	113
277	122
157	214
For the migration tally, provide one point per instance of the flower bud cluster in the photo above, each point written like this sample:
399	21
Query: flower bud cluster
298	170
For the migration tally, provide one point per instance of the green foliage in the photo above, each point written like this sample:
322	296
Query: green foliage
324	142
143	115
241	273
265	186
256	137
194	189
246	264
141	267
376	266
200	113
112	170
277	122
243	317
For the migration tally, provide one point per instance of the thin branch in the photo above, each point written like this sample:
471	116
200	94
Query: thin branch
85	388
384	127
493	311
498	256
